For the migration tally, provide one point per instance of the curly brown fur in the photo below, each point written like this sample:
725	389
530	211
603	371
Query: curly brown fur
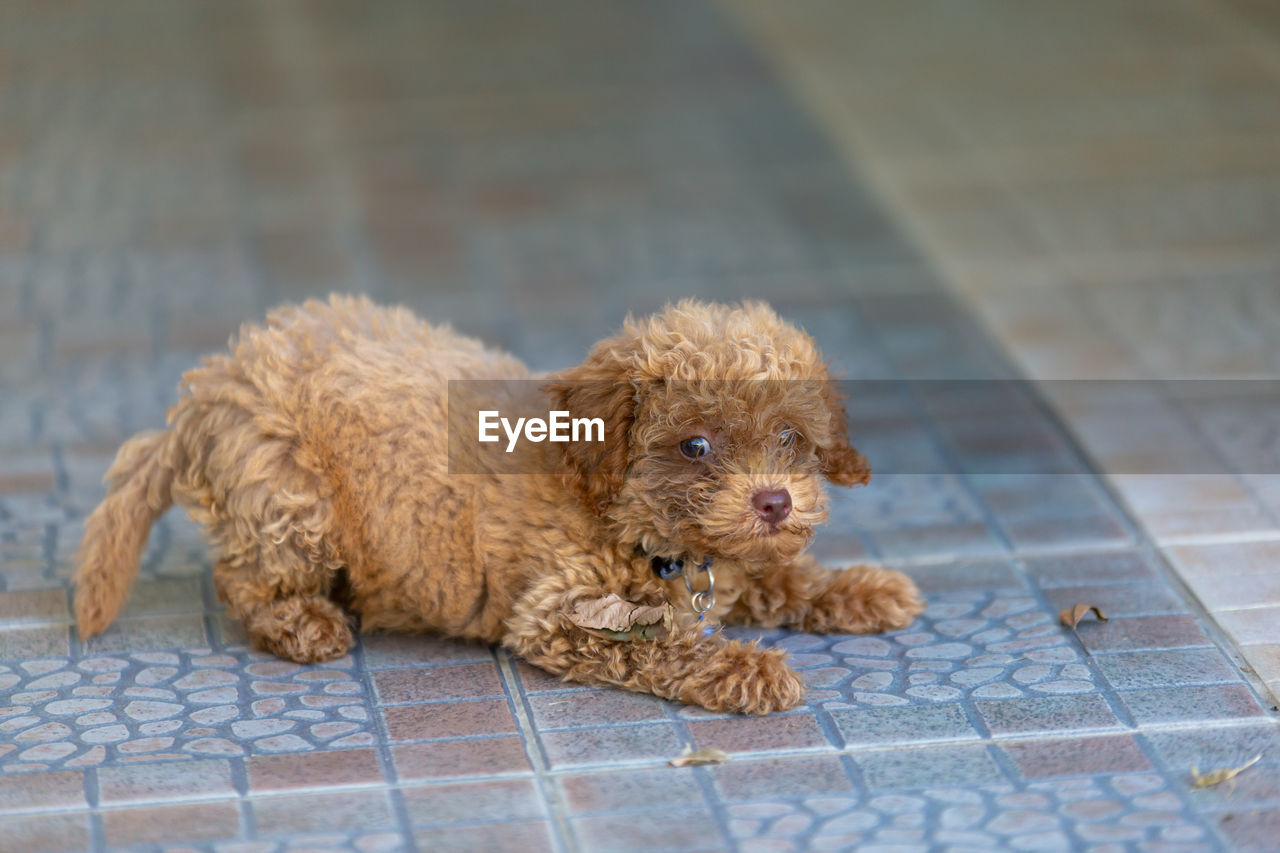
316	451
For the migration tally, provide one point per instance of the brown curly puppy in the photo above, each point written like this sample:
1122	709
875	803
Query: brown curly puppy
317	455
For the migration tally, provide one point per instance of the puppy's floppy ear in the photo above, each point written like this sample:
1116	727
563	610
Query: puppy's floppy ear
600	387
841	464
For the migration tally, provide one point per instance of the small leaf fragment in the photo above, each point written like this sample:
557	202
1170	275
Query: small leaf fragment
1071	616
1217	777
707	755
613	613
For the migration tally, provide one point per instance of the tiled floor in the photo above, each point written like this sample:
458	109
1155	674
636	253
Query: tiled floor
531	174
1102	189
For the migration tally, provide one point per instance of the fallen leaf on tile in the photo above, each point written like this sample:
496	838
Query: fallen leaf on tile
614	618
1217	777
1071	616
709	755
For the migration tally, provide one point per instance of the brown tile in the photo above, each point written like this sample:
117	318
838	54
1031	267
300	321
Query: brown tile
449	719
333	812
534	837
468	681
213	821
386	650
449	758
536	680
34	605
56	789
497	800
46	833
1077	757
1142	632
759	734
594	708
609	790
164	781
313	769
1119	599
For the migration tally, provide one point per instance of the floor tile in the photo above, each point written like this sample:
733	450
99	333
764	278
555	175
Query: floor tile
313	769
585	747
798	775
1047	715
164	781
1135	670
1188	704
343	811
467	681
34	605
774	733
46	833
1133	633
911	724
1254	626
497	800
932	766
447	759
594	708
157	824
449	719
22	792
534	836
1140	598
1077	757
682	828
20	643
1087	569
390	650
151	632
639	789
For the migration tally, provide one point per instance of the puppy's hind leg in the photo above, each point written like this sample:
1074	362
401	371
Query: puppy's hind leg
278	569
298	622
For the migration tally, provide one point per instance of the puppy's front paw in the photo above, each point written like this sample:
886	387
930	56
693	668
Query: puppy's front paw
747	679
864	600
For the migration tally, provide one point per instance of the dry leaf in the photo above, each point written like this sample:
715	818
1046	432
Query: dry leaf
1071	616
709	755
614	618
612	613
1217	777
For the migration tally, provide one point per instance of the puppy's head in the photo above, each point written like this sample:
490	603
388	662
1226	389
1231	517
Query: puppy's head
720	425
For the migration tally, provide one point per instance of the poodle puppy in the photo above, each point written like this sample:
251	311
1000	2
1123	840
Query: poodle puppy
337	484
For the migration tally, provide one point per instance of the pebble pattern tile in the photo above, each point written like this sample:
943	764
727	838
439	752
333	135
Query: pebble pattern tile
580	162
163	705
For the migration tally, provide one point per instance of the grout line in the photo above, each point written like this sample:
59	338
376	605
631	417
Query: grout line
562	833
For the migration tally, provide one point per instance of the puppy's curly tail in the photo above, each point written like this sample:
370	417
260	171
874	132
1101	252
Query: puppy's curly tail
139	489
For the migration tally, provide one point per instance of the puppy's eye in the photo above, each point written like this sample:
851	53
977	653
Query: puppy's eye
787	437
695	447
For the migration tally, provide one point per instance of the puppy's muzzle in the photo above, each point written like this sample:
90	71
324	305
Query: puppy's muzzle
772	506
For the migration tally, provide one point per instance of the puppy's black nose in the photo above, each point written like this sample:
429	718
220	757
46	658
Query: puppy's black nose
773	506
